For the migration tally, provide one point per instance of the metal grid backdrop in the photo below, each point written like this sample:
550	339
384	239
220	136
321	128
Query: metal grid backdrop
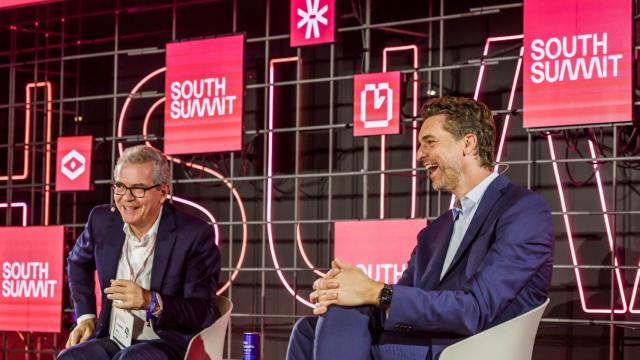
94	52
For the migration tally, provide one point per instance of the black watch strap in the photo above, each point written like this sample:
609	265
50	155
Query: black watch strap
385	295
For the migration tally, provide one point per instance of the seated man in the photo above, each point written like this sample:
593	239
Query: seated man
487	260
158	269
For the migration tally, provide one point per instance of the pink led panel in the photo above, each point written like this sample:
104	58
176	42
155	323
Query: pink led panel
17	204
577	62
414	129
574	257
588	308
204	92
269	205
27	125
312	22
16	3
505	126
236	195
31	274
380	248
376	104
73	165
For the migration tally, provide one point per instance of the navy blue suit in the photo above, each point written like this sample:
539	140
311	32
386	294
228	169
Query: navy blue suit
502	269
185	272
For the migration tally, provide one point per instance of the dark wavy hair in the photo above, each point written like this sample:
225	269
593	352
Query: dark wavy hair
466	116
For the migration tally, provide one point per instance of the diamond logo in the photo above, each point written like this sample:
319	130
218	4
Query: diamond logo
73	165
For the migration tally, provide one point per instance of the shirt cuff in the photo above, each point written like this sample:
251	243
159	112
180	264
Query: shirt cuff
84	317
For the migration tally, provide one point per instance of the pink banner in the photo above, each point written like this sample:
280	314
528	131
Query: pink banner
577	62
31	262
376	104
16	3
381	248
73	165
312	22
204	93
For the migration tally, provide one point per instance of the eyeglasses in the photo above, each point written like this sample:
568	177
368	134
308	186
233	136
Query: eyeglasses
136	191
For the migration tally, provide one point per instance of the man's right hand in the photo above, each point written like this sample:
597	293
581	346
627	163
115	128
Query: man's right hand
325	288
81	332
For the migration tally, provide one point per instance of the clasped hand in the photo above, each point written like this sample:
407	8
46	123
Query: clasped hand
345	285
128	295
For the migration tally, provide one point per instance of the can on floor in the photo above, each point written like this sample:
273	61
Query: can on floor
251	346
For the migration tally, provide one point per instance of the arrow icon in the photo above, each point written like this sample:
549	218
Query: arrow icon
378	99
379	120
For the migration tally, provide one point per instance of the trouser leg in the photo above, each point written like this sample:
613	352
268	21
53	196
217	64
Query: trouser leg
94	349
344	333
302	339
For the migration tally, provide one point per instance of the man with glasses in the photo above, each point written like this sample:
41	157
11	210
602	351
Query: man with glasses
157	267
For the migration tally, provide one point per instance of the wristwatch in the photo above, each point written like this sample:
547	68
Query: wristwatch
385	295
154	307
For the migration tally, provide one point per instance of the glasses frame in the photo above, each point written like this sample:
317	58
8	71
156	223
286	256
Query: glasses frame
131	188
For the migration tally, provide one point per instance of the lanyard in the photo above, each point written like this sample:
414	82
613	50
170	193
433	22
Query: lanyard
134	276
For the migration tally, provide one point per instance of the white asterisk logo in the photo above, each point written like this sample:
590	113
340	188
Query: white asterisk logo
311	18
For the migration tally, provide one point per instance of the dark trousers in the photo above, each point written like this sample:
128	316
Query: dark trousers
345	333
106	349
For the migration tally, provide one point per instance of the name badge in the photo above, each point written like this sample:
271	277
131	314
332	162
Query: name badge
122	330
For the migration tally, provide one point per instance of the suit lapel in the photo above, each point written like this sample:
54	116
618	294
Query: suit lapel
442	235
113	250
165	240
491	195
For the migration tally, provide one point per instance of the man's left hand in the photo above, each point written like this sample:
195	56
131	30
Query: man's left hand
354	288
128	295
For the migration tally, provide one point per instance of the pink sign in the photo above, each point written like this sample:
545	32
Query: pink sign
577	62
376	104
204	91
16	3
381	248
73	165
31	262
312	22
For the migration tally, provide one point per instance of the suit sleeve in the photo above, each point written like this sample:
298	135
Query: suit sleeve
196	309
523	243
81	266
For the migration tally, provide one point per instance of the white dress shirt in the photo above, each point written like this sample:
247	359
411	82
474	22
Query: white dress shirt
138	251
465	208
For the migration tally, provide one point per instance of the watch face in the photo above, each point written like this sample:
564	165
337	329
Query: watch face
385	295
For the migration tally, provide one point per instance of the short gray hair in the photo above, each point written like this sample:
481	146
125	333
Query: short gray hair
142	154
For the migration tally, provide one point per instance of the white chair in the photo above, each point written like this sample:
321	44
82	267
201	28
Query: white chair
209	343
511	340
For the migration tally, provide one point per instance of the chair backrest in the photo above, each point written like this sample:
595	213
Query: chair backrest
511	340
209	343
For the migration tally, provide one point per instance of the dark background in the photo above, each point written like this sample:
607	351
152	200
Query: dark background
94	52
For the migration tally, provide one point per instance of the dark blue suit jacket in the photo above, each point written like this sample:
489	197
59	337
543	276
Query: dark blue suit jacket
501	270
185	272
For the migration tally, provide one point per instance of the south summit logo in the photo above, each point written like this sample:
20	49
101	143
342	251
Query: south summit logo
200	98
578	57
388	273
27	280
